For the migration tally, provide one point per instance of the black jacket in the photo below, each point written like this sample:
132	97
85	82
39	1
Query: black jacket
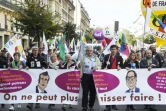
144	63
119	61
160	59
31	60
37	91
3	61
127	64
64	65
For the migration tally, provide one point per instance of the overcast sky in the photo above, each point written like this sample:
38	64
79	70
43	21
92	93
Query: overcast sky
105	12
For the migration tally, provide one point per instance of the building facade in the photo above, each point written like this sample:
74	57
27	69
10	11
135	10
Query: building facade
81	17
6	28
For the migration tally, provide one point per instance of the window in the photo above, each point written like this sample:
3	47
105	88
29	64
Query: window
59	1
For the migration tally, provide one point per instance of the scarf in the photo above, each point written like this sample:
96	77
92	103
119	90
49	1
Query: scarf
14	65
53	65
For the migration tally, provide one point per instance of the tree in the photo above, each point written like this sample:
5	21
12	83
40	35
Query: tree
33	15
89	34
131	39
148	39
70	31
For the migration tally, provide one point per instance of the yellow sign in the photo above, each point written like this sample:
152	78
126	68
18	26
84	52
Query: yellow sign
158	7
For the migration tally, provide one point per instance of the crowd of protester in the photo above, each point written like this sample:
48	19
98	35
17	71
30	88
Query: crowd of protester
36	59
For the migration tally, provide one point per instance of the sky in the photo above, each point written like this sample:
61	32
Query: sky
105	12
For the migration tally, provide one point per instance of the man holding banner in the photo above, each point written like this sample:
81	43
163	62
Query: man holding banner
89	63
149	62
112	61
35	62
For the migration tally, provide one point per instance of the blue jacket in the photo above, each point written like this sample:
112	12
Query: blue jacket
137	90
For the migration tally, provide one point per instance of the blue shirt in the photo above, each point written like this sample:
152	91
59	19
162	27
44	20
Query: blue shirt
89	63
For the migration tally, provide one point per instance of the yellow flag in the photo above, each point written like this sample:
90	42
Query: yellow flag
160	42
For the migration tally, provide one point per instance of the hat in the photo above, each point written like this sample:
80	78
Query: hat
34	47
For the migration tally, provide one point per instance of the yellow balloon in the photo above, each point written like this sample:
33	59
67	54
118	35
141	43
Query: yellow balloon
158	7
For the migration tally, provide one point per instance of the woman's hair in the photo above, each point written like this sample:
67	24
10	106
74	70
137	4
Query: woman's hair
129	58
53	55
16	53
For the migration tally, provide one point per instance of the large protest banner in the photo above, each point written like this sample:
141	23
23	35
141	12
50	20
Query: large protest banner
131	87
39	86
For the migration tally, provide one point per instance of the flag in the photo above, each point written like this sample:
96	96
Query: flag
72	45
160	22
124	49
148	4
113	42
45	44
84	38
62	47
160	42
14	45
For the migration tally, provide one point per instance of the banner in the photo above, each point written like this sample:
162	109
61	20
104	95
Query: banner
158	8
14	45
131	87
39	86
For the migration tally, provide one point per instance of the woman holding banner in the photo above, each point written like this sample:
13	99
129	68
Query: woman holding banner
53	64
69	64
131	63
16	64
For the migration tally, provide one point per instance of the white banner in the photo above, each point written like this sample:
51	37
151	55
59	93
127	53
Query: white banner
14	45
131	87
39	86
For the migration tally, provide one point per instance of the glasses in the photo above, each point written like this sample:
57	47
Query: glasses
88	50
130	78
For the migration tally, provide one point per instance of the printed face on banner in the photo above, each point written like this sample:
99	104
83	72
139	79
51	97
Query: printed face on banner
131	81
43	81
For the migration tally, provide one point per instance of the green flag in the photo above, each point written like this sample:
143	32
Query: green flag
62	47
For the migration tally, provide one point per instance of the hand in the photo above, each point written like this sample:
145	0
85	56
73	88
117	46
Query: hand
8	68
127	68
79	66
149	68
27	68
43	68
94	69
152	65
119	68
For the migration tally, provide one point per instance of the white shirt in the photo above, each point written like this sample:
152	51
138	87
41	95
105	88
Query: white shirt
40	90
89	63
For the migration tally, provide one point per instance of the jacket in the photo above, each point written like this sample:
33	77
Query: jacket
127	64
160	59
119	61
144	63
32	62
65	65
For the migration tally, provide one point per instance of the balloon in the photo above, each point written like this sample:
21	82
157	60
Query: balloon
158	7
98	35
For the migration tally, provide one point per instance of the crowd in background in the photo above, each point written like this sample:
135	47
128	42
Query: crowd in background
36	59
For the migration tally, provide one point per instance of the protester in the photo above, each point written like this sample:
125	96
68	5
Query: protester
164	64
139	58
16	64
88	64
35	61
53	64
157	55
112	61
149	62
50	52
69	64
131	63
3	61
100	54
